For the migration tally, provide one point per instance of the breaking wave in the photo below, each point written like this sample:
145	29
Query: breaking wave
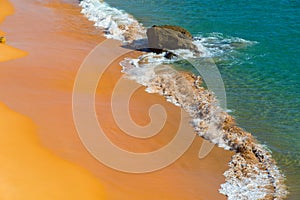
252	172
116	24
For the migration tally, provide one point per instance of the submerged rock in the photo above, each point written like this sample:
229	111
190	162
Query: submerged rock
170	38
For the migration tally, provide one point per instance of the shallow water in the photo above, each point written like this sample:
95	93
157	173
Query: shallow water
262	79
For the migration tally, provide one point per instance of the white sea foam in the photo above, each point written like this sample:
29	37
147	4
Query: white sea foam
219	44
252	172
119	25
252	178
116	24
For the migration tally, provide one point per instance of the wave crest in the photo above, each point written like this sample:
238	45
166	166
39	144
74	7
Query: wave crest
116	24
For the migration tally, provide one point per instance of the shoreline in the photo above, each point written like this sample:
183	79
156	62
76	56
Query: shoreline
251	162
43	92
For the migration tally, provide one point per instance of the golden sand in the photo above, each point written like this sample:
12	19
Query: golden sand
7	52
29	171
40	86
5	9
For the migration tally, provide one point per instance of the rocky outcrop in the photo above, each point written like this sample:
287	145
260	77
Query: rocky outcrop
177	29
170	38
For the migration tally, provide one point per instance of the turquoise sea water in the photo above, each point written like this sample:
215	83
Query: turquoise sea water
263	79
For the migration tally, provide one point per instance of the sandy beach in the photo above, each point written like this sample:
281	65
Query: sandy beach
41	154
8	52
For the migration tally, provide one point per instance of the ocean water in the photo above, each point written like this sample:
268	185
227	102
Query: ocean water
255	45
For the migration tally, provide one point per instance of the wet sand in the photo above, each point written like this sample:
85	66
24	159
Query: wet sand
57	39
8	52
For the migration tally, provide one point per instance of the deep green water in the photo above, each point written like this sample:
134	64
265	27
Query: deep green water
262	80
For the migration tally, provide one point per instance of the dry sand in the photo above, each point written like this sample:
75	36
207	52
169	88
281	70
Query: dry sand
30	171
40	85
8	52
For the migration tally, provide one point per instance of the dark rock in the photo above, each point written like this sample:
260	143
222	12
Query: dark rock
170	55
2	40
170	38
157	51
